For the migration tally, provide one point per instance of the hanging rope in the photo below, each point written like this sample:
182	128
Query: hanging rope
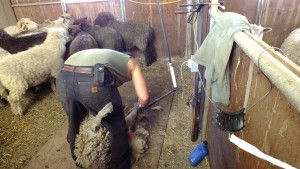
155	3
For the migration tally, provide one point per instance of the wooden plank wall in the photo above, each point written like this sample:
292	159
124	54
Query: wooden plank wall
38	13
91	9
174	24
273	124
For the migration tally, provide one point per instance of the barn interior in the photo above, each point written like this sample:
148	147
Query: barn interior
262	80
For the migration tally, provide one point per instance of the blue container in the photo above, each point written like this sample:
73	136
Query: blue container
198	154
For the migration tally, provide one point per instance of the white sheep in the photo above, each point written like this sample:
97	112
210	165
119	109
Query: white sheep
260	30
3	53
24	25
65	18
64	21
93	141
32	67
291	46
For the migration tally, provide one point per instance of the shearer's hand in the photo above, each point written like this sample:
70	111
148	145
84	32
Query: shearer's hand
131	117
137	106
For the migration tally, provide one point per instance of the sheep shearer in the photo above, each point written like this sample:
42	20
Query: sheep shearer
87	82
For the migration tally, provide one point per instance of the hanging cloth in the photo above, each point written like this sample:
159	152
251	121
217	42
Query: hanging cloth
215	51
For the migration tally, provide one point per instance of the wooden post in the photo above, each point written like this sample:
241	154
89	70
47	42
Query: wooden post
7	14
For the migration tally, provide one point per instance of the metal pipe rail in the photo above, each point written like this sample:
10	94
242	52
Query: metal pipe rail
283	73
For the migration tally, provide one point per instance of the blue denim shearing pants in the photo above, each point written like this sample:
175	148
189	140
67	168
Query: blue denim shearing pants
77	98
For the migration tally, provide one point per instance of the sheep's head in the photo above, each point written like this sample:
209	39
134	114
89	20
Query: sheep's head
260	31
65	18
80	20
103	19
25	24
83	22
73	30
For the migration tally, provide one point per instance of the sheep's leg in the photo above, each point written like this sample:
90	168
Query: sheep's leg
15	105
3	92
53	85
131	117
150	54
151	49
14	98
108	108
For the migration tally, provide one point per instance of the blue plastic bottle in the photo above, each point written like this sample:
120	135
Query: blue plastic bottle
198	154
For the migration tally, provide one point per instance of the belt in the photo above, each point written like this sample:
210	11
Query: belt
87	70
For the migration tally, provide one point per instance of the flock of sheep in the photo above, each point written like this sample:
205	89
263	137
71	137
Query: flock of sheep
26	60
32	54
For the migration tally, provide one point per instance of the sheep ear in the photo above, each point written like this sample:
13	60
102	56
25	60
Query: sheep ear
267	29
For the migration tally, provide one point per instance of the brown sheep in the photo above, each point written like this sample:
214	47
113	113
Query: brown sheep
106	38
135	34
80	40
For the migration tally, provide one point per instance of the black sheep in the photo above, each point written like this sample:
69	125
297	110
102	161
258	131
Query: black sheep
135	34
107	38
20	43
80	40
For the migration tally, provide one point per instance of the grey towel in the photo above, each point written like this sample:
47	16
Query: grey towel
215	51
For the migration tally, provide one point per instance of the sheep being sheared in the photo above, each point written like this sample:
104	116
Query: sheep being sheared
135	34
93	141
106	38
291	46
20	43
24	25
32	67
80	40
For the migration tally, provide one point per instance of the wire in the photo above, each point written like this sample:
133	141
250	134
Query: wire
152	3
213	103
191	16
272	47
258	65
271	87
194	31
200	82
182	80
